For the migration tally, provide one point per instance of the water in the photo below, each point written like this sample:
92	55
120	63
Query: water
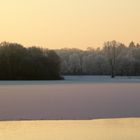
75	98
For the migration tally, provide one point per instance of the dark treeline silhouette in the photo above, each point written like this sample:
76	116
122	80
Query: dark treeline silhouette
20	63
34	63
113	59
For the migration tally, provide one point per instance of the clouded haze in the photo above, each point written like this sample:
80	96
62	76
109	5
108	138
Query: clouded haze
69	23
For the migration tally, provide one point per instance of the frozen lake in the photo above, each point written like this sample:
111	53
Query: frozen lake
86	97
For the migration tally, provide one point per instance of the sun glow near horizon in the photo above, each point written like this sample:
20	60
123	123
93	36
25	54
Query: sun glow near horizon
63	23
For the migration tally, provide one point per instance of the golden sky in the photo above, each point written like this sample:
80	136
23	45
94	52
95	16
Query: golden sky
69	23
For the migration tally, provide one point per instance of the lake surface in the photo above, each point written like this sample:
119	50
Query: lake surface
86	97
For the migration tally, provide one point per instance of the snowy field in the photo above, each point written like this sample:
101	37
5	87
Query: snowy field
77	97
110	129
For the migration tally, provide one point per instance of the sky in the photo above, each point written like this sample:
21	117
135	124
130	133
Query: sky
69	23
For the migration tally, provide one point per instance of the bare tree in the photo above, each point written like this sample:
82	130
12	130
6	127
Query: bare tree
111	54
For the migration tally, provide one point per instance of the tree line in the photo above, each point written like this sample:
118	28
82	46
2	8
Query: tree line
33	63
114	58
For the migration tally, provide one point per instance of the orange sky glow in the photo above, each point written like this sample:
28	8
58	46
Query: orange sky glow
69	23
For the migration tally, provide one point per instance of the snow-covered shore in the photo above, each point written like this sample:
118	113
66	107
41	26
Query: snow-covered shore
76	80
103	79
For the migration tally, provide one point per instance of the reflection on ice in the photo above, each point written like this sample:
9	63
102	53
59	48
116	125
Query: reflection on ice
109	129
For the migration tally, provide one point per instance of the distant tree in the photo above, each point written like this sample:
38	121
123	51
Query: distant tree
11	58
74	63
114	58
111	54
20	63
132	45
54	64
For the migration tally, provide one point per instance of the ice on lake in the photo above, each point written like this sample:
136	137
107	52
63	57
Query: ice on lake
77	97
